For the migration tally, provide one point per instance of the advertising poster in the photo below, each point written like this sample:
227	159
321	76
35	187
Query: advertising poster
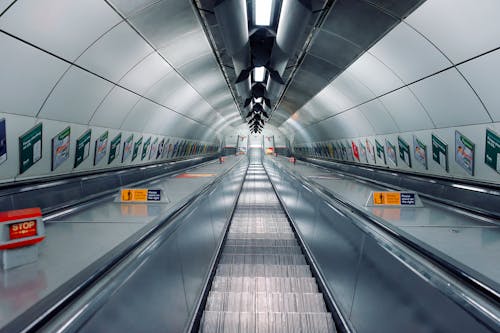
330	150
344	151
170	150
391	152
145	148
350	156
355	150
154	149
440	152
175	148
30	148
60	148
370	151
380	151
137	145
3	141
362	153
464	152
101	146
127	148
420	151
492	150
404	151
82	150
165	149
114	148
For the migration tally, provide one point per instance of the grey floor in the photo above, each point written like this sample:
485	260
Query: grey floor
262	282
471	241
75	241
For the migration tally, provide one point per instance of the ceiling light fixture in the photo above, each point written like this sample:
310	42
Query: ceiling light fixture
262	12
259	74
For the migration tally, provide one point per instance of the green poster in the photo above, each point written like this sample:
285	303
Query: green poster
145	148
101	146
127	148
60	147
420	151
492	150
464	152
82	147
440	152
137	145
30	148
404	151
113	148
380	151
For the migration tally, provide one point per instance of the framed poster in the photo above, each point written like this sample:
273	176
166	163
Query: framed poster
165	149
440	152
350	153
404	151
137	145
380	151
60	148
160	149
127	148
114	150
82	150
464	152
145	148
391	152
355	150
154	149
492	150
3	141
101	147
420	151
30	148
362	153
370	150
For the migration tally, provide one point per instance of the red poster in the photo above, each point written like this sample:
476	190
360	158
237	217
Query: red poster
355	150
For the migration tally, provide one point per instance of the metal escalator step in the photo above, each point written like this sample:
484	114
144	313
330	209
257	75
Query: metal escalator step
262	242
262	250
264	284
266	259
265	302
244	322
263	270
260	236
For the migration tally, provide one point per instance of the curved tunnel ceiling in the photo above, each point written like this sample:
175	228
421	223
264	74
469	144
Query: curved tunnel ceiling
143	66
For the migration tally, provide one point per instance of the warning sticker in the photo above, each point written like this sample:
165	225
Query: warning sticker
195	175
394	199
139	195
22	229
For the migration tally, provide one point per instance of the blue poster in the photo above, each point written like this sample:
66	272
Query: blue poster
3	141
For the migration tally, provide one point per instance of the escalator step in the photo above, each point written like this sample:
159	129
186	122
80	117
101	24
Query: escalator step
266	259
264	284
262	250
262	242
264	270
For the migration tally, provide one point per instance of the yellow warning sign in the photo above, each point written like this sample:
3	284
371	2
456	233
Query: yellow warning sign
134	195
387	198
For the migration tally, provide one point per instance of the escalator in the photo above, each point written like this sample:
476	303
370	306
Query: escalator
263	282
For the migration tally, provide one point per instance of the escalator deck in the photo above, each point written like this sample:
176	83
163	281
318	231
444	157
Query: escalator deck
263	282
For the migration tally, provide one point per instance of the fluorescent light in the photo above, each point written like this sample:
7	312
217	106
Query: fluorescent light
259	74
259	100
262	12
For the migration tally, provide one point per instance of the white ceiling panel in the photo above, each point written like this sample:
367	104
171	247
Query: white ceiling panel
406	111
374	74
113	110
138	117
186	48
63	27
27	76
483	74
166	21
204	75
354	91
115	53
349	124
146	73
4	4
460	28
379	117
168	86
128	7
409	54
449	100
76	97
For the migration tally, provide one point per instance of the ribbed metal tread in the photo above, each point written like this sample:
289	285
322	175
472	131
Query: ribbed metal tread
266	259
261	322
264	284
262	249
261	236
265	302
261	242
254	270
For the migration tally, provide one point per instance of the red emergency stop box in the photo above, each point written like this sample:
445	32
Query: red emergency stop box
20	232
